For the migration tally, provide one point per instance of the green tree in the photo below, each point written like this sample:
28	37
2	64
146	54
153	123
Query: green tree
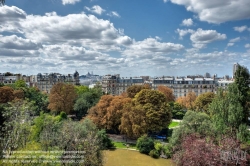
228	114
17	125
193	122
242	78
203	100
40	99
177	111
20	84
85	101
145	144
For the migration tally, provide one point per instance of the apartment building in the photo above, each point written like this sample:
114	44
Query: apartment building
46	81
116	85
183	85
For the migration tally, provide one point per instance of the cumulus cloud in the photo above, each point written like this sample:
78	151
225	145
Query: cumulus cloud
165	1
184	32
18	43
241	28
232	41
214	11
202	37
65	2
230	44
247	45
151	47
95	9
13	13
113	14
187	22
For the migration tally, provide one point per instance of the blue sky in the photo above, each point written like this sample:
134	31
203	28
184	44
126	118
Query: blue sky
131	38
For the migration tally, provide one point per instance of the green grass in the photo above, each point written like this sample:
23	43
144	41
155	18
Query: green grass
123	157
122	145
173	124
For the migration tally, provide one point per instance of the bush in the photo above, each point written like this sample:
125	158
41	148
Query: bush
154	153
145	144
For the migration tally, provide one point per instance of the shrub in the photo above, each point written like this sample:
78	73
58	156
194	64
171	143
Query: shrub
154	153
145	144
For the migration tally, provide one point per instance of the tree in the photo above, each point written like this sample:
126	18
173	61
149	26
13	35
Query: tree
17	125
242	78
147	112
86	100
177	111
187	101
114	113
134	89
203	100
97	113
228	114
20	84
18	94
193	122
167	92
6	94
81	89
145	144
40	99
62	97
195	150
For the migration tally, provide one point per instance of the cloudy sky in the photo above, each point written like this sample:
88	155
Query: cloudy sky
132	38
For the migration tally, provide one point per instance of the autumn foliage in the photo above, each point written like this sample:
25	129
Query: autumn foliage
188	101
167	92
62	97
6	94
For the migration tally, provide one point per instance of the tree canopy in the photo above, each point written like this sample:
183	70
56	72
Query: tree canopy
62	97
167	92
148	112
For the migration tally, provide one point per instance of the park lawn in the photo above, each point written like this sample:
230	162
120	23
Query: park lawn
173	124
124	157
122	145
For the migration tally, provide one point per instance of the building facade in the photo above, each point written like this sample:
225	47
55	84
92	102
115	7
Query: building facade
46	81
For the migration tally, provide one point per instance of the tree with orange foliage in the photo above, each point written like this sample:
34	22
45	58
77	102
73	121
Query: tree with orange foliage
18	94
108	112
97	113
6	94
62	97
167	92
188	101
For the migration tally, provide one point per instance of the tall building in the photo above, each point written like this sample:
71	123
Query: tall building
235	67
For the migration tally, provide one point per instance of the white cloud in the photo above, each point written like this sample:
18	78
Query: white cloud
65	2
230	44
165	1
13	13
187	22
217	11
247	45
151	47
234	40
18	43
240	29
95	9
113	14
202	37
184	32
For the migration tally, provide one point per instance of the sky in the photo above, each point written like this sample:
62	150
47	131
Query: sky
130	38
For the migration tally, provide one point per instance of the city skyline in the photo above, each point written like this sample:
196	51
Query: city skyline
130	38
